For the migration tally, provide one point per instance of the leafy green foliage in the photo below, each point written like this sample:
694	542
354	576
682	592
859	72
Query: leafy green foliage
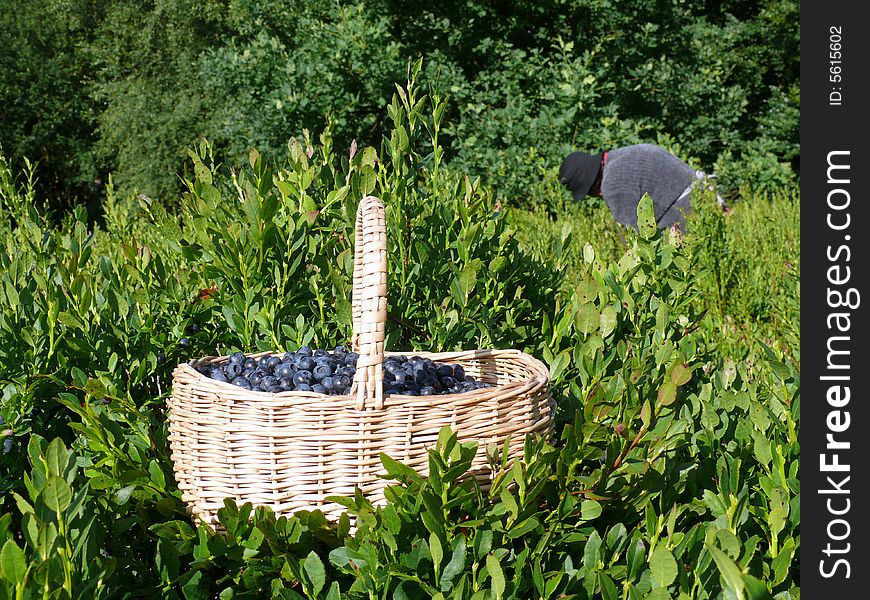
673	471
123	87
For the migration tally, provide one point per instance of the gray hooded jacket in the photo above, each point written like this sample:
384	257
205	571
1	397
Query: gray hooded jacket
631	171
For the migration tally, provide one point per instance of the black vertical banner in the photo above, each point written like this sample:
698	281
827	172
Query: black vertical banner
835	170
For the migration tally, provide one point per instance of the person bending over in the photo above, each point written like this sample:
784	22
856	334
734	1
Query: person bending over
622	175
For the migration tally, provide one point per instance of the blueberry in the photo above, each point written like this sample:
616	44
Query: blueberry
184	343
328	382
350	359
341	381
304	351
255	378
233	370
217	374
286	382
250	363
303	387
274	389
268	381
345	370
321	371
427	390
192	328
447	382
399	376
161	358
300	377
284	370
237	357
106	400
319	388
431	382
458	373
242	382
444	371
7	446
340	351
306	364
321	353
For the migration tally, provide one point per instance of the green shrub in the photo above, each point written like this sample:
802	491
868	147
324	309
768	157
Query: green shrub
673	472
122	88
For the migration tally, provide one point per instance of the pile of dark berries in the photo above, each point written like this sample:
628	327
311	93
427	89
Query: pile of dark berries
416	376
324	372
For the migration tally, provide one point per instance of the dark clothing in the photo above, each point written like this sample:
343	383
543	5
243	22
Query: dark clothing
631	171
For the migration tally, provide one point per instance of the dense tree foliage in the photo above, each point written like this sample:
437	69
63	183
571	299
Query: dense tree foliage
92	87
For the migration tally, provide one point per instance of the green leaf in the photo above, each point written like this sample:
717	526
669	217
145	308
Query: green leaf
646	413
437	552
468	277
45	540
343	556
755	589
681	374
728	568
779	369
13	563
497	575
497	264
782	562
646	219
123	495
608	320
663	566
456	564
592	552
587	290
663	313
156	474
316	572
334	592
193	589
482	543
590	509
587	319
57	458
397	470
667	393
56	494
95	388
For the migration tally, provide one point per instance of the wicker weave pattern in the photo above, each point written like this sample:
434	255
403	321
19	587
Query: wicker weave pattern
291	450
370	301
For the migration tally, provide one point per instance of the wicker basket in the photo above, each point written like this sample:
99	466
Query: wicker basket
291	450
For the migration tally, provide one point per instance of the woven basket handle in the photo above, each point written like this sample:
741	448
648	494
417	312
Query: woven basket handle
369	302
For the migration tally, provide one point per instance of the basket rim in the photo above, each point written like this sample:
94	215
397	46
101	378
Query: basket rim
528	384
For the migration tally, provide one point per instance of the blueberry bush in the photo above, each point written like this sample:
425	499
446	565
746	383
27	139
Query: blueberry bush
673	471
